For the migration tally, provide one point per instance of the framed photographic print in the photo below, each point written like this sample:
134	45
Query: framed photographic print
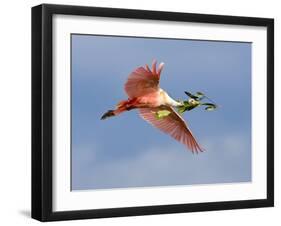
145	112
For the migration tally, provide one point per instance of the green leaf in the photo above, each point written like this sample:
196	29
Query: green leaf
181	109
185	107
199	95
210	106
162	113
190	95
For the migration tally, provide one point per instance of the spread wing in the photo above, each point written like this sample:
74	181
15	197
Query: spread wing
143	81
173	124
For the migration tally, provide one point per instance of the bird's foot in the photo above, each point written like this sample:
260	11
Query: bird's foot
108	114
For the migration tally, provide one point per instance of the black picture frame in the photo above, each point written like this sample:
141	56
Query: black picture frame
42	111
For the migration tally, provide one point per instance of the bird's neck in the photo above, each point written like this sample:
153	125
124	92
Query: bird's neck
175	103
169	100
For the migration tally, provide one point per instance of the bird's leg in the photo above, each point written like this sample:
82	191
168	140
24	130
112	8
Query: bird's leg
107	114
124	105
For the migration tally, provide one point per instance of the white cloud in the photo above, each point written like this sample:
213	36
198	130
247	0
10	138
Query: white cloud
225	161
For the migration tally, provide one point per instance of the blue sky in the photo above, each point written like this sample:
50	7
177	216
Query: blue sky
126	151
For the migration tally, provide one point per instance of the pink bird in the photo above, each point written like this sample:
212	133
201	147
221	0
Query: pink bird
144	94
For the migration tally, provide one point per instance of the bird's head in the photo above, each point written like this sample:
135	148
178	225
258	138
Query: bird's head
193	102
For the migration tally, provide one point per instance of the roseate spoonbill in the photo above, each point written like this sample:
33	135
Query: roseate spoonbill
155	105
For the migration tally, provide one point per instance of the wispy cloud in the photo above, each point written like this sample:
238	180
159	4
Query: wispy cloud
165	166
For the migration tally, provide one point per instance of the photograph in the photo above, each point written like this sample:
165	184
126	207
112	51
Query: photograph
138	113
151	112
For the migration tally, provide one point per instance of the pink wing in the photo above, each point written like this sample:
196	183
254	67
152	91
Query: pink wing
143	81
173	124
